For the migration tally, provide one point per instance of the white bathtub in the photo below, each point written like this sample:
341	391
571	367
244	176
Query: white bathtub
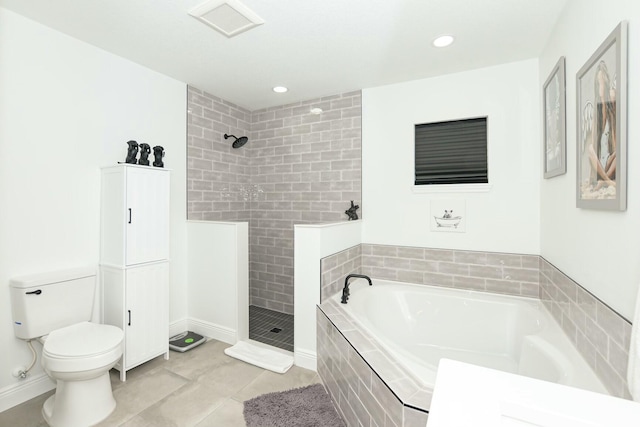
418	325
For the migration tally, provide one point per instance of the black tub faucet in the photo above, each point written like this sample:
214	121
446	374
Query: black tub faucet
345	290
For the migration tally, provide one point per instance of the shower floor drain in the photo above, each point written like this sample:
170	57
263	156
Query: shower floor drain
271	327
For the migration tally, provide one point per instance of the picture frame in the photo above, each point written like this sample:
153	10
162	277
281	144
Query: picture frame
601	121
555	119
449	216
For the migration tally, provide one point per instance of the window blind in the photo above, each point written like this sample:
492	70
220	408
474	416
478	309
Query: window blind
453	152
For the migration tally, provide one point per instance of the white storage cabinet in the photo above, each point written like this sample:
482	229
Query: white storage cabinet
134	260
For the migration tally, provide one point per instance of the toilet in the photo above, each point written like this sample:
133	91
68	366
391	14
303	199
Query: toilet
55	308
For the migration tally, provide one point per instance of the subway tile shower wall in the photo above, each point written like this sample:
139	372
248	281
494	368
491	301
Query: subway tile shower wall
600	334
216	173
308	167
297	168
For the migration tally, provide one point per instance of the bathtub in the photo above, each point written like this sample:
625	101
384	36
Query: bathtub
418	325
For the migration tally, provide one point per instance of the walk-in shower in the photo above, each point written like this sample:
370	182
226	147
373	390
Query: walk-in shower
300	168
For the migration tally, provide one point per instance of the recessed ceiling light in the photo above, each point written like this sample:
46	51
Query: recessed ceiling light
316	110
443	41
280	89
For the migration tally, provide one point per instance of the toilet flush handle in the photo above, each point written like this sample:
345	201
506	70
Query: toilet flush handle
36	292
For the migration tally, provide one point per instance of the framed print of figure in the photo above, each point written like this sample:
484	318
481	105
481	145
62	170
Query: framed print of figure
601	161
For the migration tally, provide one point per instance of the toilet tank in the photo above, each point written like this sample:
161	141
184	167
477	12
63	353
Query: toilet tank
41	303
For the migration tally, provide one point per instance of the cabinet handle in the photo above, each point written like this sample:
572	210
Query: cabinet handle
129	311
129	215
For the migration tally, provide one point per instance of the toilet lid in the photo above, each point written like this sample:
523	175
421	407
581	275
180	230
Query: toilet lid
83	339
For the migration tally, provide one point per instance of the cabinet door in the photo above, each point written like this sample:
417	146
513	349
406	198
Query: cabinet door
147	215
147	313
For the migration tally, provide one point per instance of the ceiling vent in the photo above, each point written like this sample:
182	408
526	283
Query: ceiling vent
230	17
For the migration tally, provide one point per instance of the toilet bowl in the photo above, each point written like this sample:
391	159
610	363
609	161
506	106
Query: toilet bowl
78	358
56	308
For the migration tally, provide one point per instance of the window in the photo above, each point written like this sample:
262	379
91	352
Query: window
453	152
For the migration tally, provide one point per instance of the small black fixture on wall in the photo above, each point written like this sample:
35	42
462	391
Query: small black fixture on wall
351	212
239	142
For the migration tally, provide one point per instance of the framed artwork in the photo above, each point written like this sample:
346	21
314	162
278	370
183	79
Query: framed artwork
449	216
601	163
555	142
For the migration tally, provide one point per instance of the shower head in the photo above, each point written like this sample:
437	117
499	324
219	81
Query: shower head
239	142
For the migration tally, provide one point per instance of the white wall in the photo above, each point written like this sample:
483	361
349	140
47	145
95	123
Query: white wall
311	244
218	271
66	109
504	219
598	249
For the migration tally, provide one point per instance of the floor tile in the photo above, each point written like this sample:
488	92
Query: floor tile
202	387
231	377
141	393
229	414
137	421
194	363
185	407
27	414
137	372
269	382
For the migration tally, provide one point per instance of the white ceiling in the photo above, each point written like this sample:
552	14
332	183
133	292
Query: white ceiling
315	48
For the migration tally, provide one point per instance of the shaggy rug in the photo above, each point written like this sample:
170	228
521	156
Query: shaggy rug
300	407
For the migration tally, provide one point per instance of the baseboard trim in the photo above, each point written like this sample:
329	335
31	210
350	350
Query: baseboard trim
178	326
305	359
211	330
18	393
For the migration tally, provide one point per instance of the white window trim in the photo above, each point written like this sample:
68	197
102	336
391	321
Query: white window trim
451	188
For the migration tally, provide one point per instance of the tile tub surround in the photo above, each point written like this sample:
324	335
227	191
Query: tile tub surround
367	388
297	168
600	334
335	268
502	273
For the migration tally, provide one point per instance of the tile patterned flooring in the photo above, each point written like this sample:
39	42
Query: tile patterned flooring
261	323
202	387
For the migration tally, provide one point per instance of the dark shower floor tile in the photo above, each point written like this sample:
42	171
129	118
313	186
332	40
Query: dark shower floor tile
271	327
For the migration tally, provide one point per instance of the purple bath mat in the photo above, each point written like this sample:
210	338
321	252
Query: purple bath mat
300	407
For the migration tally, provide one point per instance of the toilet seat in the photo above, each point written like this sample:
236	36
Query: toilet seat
82	346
